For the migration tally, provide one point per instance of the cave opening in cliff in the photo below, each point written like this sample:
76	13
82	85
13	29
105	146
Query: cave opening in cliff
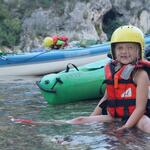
111	20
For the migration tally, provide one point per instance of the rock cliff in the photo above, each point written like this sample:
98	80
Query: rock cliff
83	19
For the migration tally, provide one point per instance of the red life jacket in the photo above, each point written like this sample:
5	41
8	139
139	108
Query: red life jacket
121	93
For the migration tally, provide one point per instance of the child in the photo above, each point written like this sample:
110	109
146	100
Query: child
127	83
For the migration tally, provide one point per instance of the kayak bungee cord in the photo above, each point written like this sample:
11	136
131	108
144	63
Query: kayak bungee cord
22	61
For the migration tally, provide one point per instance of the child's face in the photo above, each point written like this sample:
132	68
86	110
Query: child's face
126	52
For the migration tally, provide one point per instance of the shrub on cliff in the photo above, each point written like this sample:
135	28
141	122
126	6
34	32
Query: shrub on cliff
10	27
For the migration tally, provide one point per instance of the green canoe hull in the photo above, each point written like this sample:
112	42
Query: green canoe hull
73	86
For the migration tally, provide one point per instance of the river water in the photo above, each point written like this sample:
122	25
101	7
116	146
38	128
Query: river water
21	98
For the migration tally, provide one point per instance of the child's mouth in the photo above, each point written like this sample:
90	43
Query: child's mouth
124	57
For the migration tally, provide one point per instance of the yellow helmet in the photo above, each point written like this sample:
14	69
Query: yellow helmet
47	42
128	33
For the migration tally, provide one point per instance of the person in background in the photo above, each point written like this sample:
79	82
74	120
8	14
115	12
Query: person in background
55	42
127	94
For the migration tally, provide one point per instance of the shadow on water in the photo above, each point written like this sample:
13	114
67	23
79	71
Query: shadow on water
22	99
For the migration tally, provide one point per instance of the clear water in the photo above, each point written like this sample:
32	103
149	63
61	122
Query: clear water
21	98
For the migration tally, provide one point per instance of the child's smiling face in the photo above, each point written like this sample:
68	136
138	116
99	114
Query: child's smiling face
127	53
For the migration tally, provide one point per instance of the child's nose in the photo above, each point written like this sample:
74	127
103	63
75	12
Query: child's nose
124	50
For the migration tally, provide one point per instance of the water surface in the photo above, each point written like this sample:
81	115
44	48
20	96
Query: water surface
21	98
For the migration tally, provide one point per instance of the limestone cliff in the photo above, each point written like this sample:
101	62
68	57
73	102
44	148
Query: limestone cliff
83	19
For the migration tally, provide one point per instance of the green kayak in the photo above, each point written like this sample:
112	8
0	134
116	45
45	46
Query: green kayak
74	85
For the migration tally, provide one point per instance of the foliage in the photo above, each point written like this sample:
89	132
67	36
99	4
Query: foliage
25	7
13	12
10	27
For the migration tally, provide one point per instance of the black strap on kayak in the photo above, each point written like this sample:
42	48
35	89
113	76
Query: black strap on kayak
88	69
58	80
51	90
41	88
68	68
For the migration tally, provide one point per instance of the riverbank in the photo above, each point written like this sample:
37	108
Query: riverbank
18	79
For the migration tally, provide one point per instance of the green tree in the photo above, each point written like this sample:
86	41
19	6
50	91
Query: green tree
10	27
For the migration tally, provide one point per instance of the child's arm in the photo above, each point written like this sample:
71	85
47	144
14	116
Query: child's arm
98	110
142	81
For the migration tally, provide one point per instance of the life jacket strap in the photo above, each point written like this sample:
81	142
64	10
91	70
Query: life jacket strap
121	103
122	81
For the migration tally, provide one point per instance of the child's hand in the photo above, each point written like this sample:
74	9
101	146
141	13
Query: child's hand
121	129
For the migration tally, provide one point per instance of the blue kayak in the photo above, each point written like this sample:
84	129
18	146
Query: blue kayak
39	63
45	61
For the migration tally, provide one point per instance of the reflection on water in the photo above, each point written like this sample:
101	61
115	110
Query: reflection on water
21	98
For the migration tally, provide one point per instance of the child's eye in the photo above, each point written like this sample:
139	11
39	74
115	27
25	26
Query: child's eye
130	47
119	48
